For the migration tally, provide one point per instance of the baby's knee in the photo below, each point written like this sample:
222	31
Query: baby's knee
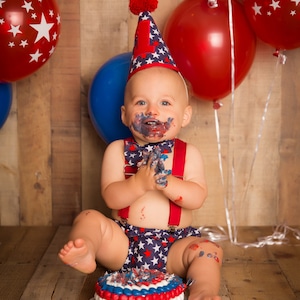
204	249
88	214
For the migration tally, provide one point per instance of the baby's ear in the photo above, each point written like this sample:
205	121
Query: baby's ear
123	117
187	116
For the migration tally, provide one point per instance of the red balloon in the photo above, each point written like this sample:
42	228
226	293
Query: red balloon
277	23
198	36
29	31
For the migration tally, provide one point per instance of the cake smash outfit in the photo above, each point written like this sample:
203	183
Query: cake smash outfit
149	247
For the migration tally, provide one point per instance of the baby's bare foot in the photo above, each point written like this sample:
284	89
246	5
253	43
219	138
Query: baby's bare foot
77	255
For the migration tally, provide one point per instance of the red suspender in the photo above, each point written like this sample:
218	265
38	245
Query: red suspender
177	170
123	213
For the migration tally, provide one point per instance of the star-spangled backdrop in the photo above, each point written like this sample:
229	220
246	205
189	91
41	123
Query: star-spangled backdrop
29	32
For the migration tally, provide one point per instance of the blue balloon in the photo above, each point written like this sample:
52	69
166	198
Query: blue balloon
5	101
106	96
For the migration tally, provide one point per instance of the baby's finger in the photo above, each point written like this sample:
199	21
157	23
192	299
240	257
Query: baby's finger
161	180
152	161
141	163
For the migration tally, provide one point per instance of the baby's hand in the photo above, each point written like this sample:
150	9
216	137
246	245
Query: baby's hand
145	175
161	179
160	172
152	166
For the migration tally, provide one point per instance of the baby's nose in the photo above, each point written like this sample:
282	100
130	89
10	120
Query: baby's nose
152	110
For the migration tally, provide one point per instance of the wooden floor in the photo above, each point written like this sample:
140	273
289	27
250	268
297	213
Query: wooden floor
29	268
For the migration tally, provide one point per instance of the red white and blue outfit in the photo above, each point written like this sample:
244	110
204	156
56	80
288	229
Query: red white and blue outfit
149	247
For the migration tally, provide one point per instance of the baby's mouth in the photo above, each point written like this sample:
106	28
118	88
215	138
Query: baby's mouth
152	123
151	127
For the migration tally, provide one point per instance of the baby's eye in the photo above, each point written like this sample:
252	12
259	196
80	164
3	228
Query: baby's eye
141	102
165	102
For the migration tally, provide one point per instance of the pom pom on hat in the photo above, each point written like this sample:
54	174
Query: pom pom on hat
138	6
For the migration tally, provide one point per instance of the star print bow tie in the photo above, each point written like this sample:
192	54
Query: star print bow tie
134	153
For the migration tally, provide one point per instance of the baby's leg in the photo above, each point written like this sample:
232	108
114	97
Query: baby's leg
198	260
94	237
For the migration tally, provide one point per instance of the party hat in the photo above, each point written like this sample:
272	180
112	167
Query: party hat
149	49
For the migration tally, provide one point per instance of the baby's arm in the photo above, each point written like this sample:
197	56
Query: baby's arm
117	191
190	192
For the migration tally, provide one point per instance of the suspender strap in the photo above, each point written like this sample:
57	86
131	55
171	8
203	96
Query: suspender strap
179	158
123	213
177	170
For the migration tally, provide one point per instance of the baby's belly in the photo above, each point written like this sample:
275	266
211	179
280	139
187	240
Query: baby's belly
152	211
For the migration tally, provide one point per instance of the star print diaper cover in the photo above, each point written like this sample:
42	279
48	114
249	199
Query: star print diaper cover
148	248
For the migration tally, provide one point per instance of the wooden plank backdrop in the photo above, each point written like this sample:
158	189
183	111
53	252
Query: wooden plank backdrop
51	155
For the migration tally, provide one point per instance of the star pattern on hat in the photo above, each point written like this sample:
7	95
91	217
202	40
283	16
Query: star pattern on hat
150	49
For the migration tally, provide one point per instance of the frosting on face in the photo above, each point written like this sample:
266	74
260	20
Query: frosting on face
149	126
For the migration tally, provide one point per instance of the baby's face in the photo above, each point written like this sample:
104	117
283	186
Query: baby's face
155	105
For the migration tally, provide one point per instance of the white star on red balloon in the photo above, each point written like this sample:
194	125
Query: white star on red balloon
14	29
296	2
42	29
1	2
51	51
24	43
35	56
27	6
256	9
275	4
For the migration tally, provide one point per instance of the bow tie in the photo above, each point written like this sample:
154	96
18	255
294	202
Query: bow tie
134	153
